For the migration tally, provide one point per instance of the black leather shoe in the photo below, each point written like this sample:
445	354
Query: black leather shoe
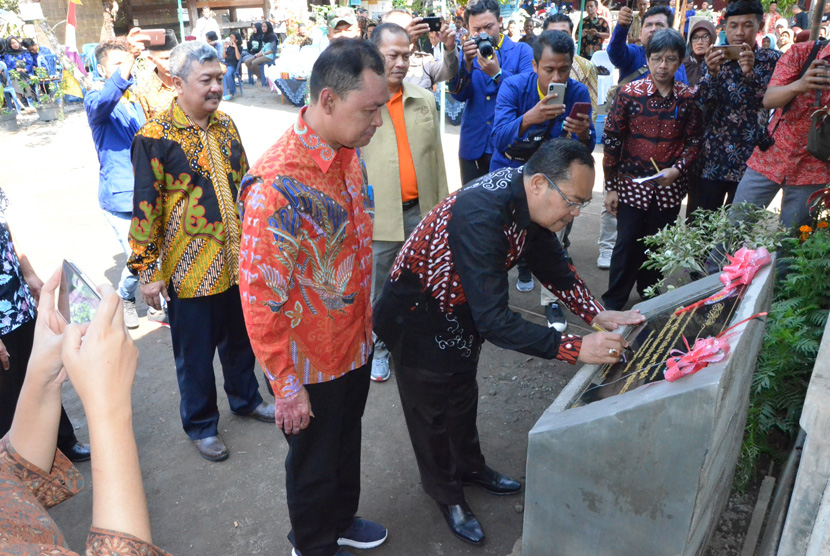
264	412
78	453
212	448
492	481
463	522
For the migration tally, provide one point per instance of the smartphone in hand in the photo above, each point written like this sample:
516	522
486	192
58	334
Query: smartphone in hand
559	89
433	22
580	108
78	298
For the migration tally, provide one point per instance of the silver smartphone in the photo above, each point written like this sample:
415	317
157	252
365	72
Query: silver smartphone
77	299
559	89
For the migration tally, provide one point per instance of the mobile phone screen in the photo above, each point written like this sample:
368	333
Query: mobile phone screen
77	299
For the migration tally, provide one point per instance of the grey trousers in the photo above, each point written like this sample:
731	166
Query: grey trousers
383	257
607	231
759	190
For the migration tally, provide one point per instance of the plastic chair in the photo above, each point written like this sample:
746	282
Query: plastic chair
262	73
90	62
8	91
600	58
51	64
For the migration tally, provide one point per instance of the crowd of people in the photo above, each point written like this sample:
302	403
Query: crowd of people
341	254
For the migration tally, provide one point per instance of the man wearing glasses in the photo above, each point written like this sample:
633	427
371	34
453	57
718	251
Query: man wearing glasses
653	131
448	292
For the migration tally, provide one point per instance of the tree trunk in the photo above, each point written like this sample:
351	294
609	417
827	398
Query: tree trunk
57	48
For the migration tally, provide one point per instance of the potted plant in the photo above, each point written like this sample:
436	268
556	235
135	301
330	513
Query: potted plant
8	119
50	98
26	85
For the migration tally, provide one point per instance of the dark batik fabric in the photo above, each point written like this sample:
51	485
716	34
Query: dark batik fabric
448	289
17	306
735	117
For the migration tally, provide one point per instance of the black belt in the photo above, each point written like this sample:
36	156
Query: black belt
409	204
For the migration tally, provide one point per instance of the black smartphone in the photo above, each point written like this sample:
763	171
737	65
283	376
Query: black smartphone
77	299
433	22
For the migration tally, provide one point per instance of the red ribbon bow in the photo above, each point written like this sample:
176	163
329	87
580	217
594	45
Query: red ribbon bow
705	351
744	266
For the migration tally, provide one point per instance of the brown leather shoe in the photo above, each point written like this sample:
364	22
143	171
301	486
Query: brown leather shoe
264	412
212	448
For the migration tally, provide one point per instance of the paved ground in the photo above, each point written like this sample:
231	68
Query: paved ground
238	507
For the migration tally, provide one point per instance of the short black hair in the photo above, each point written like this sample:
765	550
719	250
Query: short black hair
104	48
558	18
478	7
558	41
341	65
394	28
27	43
660	10
666	39
589	1
744	7
554	159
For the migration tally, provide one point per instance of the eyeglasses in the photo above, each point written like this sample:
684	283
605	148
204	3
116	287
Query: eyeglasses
572	205
702	38
668	60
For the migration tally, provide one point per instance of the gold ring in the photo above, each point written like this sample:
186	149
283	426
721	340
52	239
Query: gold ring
614	352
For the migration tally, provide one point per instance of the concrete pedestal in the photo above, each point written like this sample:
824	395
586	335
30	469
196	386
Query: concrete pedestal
649	471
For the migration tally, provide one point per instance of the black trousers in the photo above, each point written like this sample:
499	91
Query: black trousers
629	252
709	195
322	468
474	169
440	411
199	326
19	342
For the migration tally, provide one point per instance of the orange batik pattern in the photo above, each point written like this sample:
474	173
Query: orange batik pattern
306	260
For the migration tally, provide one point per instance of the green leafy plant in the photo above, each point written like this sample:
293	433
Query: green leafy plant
795	326
682	251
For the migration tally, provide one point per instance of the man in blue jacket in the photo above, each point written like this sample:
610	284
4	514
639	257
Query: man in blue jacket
478	81
115	116
630	59
524	110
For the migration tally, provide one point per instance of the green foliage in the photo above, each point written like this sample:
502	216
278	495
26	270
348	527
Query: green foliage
682	250
9	5
794	329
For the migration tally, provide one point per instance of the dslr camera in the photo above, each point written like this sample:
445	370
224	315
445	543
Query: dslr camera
484	44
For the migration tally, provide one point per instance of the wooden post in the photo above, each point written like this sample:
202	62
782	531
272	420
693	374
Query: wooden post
193	13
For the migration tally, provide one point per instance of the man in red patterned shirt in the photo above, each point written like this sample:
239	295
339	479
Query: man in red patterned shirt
305	278
801	76
448	292
654	122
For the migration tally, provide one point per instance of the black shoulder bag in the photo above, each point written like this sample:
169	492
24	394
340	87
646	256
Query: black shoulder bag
522	149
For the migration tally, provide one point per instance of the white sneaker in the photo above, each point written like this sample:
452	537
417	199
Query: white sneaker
380	369
130	314
604	260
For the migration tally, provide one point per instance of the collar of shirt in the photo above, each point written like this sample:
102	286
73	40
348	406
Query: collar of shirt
321	152
653	91
182	120
521	212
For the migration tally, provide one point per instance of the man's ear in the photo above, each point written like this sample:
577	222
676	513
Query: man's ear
178	83
538	183
101	70
327	100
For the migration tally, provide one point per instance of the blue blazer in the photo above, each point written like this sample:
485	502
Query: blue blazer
628	58
479	91
114	122
517	95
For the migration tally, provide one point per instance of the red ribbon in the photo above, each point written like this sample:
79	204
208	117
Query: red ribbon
705	351
743	267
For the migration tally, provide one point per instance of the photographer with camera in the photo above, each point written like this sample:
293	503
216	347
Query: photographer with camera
730	93
489	57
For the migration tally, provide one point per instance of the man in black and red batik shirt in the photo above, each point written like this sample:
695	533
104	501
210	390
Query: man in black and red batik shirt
447	293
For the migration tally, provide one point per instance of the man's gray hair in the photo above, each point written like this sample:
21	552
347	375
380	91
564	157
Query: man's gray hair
183	56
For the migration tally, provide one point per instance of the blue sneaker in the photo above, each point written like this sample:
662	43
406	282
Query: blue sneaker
363	534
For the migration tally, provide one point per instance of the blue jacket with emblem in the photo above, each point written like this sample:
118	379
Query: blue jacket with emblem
517	95
479	91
